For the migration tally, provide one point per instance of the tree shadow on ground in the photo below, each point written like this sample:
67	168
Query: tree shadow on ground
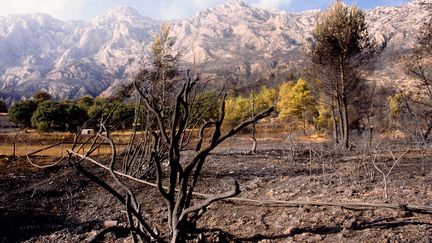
264	173
265	169
224	236
17	226
22	225
319	230
384	224
280	153
37	202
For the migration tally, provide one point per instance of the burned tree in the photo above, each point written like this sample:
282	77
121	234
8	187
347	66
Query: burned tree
184	177
165	125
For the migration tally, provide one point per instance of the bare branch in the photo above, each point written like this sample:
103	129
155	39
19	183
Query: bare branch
210	200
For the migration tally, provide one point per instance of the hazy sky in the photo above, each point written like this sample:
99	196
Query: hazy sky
160	9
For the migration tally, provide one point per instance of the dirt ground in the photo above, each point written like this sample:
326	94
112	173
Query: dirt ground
60	205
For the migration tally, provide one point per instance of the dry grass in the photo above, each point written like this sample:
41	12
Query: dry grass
58	151
29	141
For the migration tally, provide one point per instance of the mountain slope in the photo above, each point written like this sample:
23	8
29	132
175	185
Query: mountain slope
69	59
73	58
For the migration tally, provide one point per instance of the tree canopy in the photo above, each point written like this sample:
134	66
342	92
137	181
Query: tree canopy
296	104
58	116
117	112
238	108
21	112
41	96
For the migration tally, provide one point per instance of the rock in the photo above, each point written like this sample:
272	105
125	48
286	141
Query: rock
277	226
253	184
314	238
270	193
109	223
349	192
343	234
290	230
350	223
302	237
265	241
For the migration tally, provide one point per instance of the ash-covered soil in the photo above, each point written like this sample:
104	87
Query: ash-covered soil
60	205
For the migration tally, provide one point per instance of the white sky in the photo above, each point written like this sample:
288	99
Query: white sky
158	9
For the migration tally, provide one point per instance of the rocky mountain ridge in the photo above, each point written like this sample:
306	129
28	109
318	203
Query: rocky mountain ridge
70	59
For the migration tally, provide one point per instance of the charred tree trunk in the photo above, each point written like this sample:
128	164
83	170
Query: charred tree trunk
344	102
254	140
346	123
340	120
335	126
428	131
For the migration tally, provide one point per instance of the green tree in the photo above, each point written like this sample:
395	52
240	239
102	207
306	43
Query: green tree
85	102
75	115
342	47
124	115
114	112
58	116
22	111
41	96
297	104
204	108
101	108
49	115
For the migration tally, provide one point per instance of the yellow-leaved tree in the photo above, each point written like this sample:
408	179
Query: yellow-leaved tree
240	107
265	98
297	105
236	109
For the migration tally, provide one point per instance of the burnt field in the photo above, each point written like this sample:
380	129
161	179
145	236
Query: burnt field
58	204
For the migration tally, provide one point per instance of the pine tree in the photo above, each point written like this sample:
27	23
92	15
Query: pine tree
342	48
